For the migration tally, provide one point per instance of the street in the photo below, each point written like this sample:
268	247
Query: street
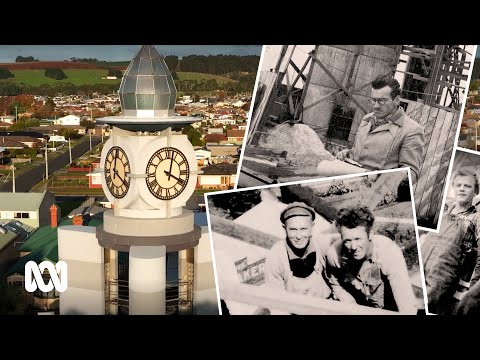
26	181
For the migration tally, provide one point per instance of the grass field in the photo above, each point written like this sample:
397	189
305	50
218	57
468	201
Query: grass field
203	77
94	76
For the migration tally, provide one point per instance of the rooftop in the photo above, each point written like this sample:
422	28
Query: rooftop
20	201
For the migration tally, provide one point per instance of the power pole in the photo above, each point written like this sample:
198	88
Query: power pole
13	173
46	160
70	150
90	140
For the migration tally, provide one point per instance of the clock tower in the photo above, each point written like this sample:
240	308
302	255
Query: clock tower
149	173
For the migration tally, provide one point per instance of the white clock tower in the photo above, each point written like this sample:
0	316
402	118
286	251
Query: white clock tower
149	173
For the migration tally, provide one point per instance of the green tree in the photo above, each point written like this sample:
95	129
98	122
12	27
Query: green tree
87	123
5	74
194	136
172	62
25	59
55	73
114	72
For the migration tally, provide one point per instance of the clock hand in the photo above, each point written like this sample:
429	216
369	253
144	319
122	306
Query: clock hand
121	179
170	171
170	174
115	165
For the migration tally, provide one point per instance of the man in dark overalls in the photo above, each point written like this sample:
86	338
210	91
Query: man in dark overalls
450	256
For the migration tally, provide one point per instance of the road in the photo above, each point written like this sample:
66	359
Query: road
24	182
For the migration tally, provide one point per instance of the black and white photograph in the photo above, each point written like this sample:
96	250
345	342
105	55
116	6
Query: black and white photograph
338	246
451	257
330	110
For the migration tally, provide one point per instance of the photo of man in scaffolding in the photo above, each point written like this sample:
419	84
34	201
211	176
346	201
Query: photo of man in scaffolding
330	246
328	110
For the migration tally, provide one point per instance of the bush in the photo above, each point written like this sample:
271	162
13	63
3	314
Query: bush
5	74
55	73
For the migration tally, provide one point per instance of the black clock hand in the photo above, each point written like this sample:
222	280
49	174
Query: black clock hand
115	165
170	171
122	179
170	174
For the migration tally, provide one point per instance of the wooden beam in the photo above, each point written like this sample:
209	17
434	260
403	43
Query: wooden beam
256	150
339	84
280	300
295	67
242	232
299	75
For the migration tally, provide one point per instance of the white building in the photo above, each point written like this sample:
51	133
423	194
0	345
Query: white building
68	120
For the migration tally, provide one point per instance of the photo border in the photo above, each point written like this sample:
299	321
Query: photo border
315	180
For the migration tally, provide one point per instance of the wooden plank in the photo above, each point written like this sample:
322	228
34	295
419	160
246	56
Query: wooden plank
436	163
256	150
242	232
427	163
292	303
412	109
438	192
453	75
258	113
348	93
420	50
249	178
300	72
427	130
424	116
449	109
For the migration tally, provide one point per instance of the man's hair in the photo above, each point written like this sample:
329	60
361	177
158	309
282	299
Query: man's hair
354	217
468	172
382	81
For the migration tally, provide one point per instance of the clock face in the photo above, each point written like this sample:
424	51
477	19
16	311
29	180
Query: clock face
167	173
117	172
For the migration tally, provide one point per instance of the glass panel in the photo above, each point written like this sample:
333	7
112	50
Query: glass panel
145	85
129	101
173	99
145	52
161	101
130	85
134	68
161	85
158	67
145	102
145	67
171	84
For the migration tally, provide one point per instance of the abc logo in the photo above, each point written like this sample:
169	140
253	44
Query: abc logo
59	283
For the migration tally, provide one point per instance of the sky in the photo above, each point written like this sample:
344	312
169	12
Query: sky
8	53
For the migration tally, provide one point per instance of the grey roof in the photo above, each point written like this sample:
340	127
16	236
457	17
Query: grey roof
148	85
20	201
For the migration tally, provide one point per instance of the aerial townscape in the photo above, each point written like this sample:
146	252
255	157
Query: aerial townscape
66	129
468	136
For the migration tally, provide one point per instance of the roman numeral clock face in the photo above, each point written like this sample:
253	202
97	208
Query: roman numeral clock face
117	172
167	173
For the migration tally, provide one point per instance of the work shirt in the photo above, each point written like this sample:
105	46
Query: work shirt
397	143
279	274
450	256
381	280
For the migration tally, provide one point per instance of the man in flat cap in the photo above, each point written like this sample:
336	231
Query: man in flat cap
297	264
368	269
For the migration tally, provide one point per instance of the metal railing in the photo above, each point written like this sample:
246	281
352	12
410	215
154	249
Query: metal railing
176	296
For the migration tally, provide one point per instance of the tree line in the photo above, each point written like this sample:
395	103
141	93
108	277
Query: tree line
213	64
245	83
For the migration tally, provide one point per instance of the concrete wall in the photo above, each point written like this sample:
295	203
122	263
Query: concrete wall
78	247
205	296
